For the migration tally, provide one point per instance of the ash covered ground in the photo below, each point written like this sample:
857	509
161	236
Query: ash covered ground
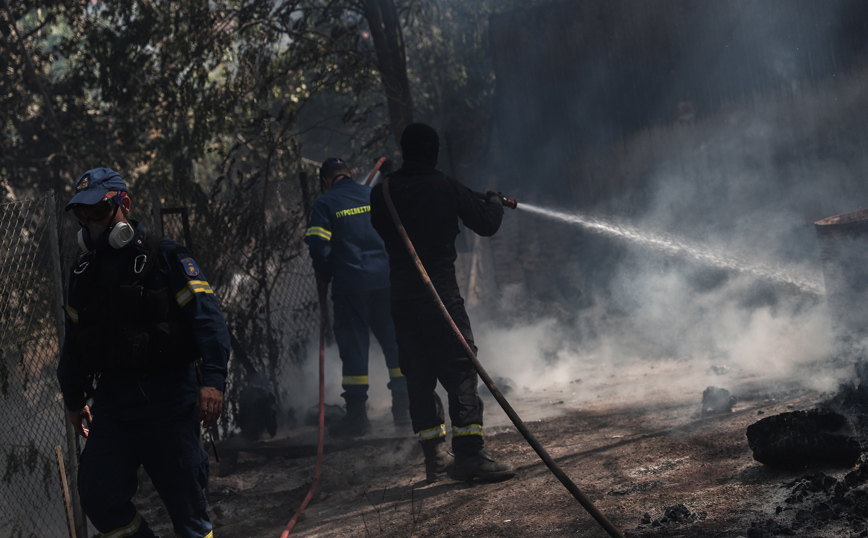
634	437
630	432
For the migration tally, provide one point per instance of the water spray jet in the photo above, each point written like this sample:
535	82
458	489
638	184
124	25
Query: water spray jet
675	246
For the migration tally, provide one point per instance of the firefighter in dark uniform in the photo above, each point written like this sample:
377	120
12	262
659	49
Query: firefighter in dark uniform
139	313
346	251
429	204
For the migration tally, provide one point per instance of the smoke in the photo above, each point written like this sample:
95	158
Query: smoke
665	343
774	142
730	126
302	382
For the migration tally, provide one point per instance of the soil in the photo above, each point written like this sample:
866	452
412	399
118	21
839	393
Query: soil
637	455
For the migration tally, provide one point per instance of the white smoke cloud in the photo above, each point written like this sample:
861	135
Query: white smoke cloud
745	186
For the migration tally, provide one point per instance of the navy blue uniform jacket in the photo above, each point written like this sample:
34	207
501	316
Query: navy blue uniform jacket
132	396
342	242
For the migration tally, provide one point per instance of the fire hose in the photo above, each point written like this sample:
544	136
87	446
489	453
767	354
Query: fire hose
322	291
374	171
492	387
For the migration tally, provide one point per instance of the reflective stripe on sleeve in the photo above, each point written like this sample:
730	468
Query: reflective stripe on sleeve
194	286
395	372
319	232
433	433
72	313
472	429
355	380
129	530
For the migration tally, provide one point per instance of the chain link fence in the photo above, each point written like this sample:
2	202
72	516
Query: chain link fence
261	276
254	256
31	497
255	259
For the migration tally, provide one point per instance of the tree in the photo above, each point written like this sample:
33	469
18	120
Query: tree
215	104
382	17
452	76
147	85
198	100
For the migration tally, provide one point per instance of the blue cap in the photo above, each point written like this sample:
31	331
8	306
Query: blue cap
94	185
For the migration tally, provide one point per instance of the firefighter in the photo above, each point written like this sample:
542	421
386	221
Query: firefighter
429	204
139	313
346	251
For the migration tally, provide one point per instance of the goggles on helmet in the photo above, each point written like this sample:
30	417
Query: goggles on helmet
95	212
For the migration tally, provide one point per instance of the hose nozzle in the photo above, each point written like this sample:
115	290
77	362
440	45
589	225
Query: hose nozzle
506	202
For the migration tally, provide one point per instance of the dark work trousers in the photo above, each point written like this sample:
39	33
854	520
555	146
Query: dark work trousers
171	454
430	352
357	315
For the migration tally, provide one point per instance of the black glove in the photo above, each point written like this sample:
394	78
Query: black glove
495	197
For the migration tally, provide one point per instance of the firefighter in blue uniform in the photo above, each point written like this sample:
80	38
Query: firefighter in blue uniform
139	314
346	251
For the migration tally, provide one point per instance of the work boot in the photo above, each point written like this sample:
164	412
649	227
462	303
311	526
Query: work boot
353	424
481	466
400	408
438	460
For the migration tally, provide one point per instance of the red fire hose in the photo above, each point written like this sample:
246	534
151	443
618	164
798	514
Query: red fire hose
374	171
322	290
519	424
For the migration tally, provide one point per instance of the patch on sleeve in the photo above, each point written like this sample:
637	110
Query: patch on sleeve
190	267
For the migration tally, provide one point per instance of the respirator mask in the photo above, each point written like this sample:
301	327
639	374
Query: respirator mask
95	236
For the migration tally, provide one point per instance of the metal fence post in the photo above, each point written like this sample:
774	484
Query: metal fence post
71	438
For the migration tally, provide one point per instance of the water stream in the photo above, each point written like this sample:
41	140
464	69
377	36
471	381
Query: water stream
675	246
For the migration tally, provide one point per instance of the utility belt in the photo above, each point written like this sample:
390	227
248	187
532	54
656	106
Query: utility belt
135	327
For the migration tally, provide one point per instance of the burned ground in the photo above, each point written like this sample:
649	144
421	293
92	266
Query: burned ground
658	466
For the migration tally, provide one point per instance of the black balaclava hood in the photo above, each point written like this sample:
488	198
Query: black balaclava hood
420	144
